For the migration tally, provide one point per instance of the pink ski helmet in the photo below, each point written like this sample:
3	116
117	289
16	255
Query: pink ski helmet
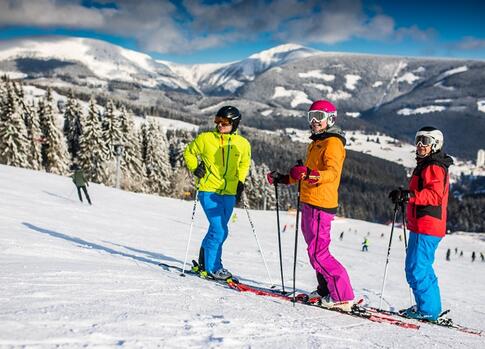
321	110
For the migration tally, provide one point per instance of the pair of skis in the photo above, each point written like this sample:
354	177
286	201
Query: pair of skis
236	285
358	310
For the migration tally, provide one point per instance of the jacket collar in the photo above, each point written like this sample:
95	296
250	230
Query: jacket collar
333	131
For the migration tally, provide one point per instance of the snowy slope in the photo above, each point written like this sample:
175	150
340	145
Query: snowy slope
75	275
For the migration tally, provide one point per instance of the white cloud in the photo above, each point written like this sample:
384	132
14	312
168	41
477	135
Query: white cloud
193	25
470	43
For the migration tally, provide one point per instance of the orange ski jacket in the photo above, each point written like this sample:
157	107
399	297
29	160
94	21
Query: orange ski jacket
326	154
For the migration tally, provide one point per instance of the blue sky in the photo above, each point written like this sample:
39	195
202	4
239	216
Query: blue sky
195	31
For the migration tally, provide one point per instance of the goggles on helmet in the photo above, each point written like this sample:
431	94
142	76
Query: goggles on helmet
424	141
318	116
219	120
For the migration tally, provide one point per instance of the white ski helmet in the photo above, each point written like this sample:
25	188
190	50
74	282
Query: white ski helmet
429	135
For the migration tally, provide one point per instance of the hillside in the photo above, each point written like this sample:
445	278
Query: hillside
393	95
87	276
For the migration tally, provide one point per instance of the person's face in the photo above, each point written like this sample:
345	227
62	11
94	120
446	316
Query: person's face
424	145
318	126
224	125
423	150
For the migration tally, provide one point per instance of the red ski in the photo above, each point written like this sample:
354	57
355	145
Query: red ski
357	311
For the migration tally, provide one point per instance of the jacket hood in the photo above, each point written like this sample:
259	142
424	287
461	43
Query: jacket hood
333	131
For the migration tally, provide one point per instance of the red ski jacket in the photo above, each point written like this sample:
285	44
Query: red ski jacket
429	185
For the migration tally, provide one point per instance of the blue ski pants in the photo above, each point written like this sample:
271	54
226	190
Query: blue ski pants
218	209
420	274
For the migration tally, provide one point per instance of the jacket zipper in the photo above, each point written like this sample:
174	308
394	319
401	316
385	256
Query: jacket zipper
227	160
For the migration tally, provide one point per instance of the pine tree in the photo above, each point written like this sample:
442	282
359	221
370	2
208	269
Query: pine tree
156	159
111	128
34	134
14	143
182	181
35	137
72	125
54	149
259	192
131	164
92	148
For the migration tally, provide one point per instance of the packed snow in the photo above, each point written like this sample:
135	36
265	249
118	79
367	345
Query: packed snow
87	276
481	105
453	71
320	87
408	78
298	97
317	74
421	110
351	80
353	114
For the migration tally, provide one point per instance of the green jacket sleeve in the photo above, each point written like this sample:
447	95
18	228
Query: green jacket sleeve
245	162
191	153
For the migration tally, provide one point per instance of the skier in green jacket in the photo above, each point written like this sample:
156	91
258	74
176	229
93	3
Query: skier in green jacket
81	182
220	159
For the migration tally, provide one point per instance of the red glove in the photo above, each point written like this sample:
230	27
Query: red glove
299	172
302	172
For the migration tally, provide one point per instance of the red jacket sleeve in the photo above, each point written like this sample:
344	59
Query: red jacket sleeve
434	177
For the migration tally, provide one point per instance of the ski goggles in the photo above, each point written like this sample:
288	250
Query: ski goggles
219	120
318	115
424	141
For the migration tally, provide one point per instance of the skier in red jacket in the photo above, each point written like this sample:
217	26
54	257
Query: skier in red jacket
427	201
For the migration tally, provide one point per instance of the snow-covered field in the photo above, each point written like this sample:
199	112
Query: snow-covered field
74	275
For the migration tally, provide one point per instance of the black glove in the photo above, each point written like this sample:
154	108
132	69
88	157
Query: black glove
200	170
239	191
400	195
406	195
275	177
395	196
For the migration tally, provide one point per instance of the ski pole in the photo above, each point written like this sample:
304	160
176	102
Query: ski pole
406	246
279	235
388	253
257	242
300	162
190	232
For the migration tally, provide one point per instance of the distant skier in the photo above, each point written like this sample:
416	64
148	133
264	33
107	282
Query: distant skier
461	253
81	182
473	256
482	257
220	159
448	253
365	245
341	237
427	200
456	250
320	179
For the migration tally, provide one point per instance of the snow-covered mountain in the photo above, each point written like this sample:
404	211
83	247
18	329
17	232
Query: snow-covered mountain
77	276
91	61
221	79
395	95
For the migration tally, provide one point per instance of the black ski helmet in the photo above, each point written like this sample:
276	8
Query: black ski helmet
231	113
